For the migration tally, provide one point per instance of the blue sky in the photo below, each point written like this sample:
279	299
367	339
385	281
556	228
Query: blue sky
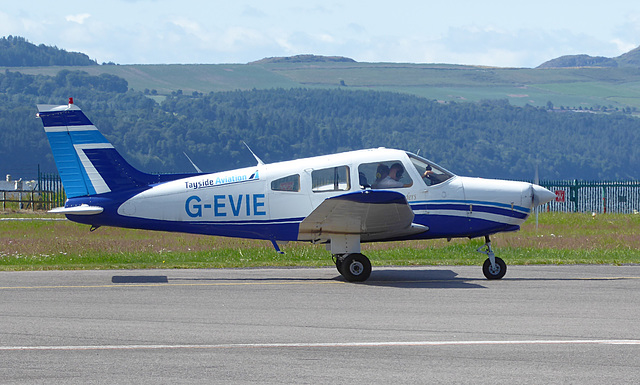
494	33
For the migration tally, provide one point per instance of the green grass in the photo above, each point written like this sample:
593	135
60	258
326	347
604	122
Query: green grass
61	245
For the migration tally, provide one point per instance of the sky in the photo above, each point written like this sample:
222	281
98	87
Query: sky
493	33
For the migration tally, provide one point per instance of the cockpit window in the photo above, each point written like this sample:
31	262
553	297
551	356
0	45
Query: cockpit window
431	173
384	175
330	179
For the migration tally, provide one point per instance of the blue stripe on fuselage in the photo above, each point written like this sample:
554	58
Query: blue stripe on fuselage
451	226
467	203
475	206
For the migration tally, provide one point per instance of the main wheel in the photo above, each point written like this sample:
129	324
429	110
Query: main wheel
338	259
494	273
355	267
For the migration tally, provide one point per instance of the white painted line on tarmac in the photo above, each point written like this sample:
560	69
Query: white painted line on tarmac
322	345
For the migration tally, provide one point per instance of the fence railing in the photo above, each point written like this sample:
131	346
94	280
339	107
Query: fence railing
46	194
50	189
594	196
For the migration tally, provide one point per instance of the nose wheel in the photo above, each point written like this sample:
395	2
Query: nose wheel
497	271
354	267
493	267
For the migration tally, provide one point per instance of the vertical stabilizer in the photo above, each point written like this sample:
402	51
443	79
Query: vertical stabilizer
87	163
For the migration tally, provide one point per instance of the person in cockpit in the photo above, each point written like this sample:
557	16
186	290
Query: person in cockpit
392	180
381	173
431	178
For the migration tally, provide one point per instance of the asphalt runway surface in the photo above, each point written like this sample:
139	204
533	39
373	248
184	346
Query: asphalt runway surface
540	324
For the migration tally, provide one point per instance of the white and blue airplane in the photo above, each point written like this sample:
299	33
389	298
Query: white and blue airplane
339	200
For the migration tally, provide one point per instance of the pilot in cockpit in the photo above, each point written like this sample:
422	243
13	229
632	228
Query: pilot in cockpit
381	172
393	179
431	177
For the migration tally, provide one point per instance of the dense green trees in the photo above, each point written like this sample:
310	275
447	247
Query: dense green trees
488	139
16	51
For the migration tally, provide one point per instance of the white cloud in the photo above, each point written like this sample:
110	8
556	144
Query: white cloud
209	39
8	24
239	38
627	34
162	31
624	46
492	46
189	26
79	18
32	29
326	38
253	12
284	43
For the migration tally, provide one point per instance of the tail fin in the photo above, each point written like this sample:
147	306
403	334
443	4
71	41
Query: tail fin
87	163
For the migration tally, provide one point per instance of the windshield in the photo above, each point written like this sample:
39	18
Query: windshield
431	173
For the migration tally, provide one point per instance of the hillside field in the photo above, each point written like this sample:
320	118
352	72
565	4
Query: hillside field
574	88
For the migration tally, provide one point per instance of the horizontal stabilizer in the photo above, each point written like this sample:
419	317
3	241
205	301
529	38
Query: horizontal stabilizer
78	210
373	214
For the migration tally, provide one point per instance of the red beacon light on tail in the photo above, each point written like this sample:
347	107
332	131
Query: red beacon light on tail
70	101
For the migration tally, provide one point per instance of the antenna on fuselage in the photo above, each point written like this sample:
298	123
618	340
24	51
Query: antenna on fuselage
260	162
193	164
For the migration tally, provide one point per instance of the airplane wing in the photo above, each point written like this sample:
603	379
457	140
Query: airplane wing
374	214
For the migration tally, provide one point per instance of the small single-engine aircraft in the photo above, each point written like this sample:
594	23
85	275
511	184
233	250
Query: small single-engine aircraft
339	200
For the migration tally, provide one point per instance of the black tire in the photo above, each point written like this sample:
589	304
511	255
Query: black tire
498	272
338	259
355	267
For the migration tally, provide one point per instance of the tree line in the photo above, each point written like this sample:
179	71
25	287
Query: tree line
486	139
16	51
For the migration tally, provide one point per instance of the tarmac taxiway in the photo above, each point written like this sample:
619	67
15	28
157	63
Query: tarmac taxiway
540	324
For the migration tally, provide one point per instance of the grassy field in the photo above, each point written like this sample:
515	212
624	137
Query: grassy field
559	239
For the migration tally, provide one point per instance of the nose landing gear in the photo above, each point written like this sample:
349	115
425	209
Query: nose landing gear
493	267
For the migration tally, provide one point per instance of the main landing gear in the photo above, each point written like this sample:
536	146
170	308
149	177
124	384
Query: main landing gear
354	267
493	267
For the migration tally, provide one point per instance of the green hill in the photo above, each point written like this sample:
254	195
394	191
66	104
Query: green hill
17	51
574	82
304	59
571	88
570	61
629	59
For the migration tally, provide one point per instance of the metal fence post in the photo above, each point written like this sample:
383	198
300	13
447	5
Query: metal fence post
574	195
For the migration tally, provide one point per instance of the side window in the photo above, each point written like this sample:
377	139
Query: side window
330	179
383	175
288	183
